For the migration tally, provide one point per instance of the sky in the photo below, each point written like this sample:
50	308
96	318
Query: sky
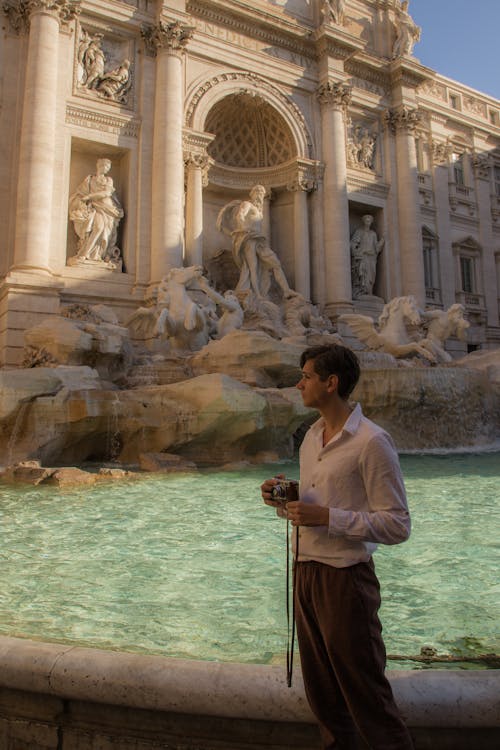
460	39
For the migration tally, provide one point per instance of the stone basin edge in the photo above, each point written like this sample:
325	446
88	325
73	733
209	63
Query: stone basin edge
430	697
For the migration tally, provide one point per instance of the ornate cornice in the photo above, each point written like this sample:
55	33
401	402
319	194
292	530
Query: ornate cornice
172	37
334	94
403	119
86	118
253	23
305	172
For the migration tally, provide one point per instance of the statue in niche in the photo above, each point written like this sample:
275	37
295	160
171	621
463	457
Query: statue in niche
334	10
95	212
407	32
242	221
439	325
113	84
365	249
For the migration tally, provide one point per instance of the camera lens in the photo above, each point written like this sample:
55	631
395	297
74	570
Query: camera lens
278	492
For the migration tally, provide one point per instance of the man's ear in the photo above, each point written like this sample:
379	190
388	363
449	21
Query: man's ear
333	383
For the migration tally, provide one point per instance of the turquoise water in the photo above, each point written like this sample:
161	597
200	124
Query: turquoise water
193	566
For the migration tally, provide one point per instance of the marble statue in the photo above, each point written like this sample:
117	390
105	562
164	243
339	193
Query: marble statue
186	323
116	83
407	32
242	221
95	212
392	335
302	317
439	325
360	147
232	317
365	249
91	59
334	10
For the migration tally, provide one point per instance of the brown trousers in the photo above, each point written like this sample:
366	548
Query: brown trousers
343	656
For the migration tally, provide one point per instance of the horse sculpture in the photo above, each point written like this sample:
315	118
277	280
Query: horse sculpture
392	335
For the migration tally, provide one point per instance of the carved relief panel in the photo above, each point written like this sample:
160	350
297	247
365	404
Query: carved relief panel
103	67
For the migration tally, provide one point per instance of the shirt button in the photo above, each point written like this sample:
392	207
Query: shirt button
313	485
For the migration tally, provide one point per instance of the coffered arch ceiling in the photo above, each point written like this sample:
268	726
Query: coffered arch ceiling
249	133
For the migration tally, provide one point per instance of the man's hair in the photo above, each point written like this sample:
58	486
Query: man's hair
334	360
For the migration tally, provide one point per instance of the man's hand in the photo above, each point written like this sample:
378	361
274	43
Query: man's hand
266	489
307	514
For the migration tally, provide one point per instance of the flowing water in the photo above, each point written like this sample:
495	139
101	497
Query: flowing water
193	565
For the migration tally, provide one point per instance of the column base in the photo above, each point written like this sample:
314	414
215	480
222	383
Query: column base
334	309
25	300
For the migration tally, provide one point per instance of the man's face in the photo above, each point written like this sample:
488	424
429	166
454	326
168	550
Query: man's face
315	392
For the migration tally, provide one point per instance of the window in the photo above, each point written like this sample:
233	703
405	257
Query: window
467	274
428	272
431	266
458	169
496	178
493	117
454	101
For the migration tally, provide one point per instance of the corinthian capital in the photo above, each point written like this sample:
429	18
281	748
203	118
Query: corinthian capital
334	94
403	119
19	11
170	36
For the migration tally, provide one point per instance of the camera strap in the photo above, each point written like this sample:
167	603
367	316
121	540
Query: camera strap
290	610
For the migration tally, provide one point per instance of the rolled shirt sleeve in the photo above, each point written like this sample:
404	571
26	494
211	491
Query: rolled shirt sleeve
387	520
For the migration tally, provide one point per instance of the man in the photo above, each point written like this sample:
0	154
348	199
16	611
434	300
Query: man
352	497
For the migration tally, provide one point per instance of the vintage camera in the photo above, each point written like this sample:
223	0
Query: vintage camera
285	491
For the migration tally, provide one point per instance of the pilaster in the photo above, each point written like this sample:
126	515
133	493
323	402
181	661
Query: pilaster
402	123
167	42
334	98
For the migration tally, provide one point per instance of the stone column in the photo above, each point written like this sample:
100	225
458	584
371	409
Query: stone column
196	165
38	132
402	123
334	99
482	169
440	162
167	41
301	252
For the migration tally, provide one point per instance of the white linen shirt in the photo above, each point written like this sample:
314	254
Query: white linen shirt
358	476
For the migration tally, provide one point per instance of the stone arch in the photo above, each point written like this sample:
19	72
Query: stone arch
204	97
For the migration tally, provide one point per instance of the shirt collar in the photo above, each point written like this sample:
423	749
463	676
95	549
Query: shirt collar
351	424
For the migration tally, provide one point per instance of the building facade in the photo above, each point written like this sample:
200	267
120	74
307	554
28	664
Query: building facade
169	109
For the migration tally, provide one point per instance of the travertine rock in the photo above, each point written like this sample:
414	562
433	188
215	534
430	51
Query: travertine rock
252	357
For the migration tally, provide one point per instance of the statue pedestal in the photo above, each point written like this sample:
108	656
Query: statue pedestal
105	265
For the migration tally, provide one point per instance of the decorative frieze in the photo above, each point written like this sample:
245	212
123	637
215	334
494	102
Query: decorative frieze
481	165
404	119
334	94
440	152
433	89
172	37
86	118
475	106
